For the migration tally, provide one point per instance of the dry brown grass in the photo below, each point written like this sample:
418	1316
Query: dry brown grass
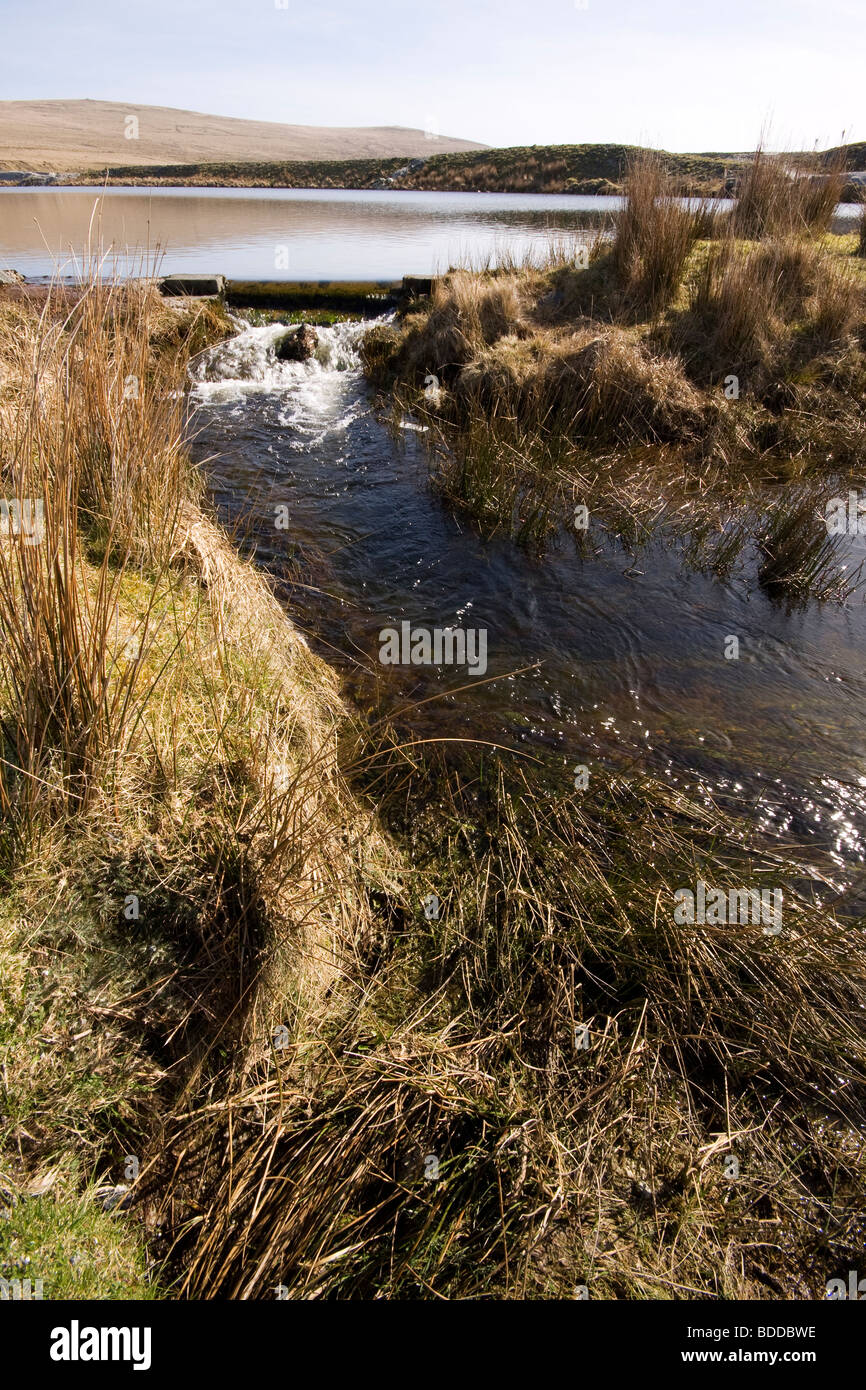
775	198
757	309
599	382
93	437
654	236
556	1166
679	332
468	313
611	388
164	732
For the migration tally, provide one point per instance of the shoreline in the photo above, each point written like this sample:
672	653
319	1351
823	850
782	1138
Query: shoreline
591	169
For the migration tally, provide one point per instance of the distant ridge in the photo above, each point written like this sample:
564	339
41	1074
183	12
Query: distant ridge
66	136
579	169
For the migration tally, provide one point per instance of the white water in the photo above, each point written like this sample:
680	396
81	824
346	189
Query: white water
247	365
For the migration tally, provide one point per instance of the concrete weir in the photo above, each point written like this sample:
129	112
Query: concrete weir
193	286
367	297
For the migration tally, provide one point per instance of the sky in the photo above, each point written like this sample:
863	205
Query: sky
679	74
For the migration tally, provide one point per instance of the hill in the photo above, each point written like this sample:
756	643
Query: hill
516	169
66	136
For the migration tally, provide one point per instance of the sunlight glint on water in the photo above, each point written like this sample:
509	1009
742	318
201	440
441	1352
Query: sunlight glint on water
629	665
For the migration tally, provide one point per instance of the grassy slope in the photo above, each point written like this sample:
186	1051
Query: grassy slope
536	169
226	783
518	169
73	135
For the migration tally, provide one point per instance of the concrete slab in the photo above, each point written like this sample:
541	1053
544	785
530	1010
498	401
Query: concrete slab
193	286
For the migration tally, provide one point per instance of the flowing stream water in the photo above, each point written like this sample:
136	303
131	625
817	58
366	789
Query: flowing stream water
626	657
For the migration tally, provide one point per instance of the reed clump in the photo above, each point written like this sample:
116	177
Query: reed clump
777	197
654	234
466	316
736	337
764	310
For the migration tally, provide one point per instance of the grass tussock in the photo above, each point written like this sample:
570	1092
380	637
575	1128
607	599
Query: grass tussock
654	235
779	198
737	338
467	315
619	392
764	310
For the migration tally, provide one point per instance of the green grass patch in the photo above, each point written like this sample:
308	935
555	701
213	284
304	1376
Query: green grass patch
68	1241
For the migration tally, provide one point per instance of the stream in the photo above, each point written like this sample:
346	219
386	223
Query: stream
607	661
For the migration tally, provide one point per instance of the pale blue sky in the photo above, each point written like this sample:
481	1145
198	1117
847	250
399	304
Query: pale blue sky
685	74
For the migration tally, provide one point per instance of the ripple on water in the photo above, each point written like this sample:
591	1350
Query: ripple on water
624	667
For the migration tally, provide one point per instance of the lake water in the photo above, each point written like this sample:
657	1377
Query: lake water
283	234
286	234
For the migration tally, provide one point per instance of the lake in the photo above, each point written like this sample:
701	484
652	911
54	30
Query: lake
283	234
289	234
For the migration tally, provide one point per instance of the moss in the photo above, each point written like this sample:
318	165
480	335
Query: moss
320	318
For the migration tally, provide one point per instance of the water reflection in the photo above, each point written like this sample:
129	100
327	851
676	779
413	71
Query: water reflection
328	235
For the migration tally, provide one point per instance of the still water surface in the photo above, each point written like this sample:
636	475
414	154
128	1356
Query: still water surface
250	234
287	234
